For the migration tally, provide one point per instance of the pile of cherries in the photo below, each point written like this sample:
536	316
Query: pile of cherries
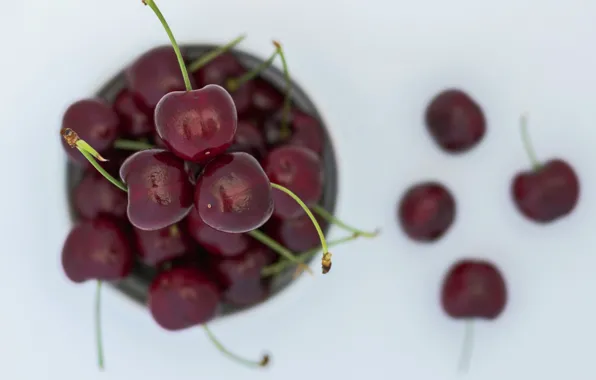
474	288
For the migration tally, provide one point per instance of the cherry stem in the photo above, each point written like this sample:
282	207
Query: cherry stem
279	249
163	21
98	335
326	260
285	130
132	145
235	83
527	142
205	59
332	219
251	363
466	351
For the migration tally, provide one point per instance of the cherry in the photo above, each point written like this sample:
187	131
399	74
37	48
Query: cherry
197	125
306	131
159	189
297	234
96	249
298	169
158	246
266	99
155	74
180	298
547	192
215	242
95	122
473	289
426	211
94	196
134	121
455	121
249	139
233	194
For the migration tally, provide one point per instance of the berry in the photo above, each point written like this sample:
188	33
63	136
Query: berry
158	246
94	196
297	234
305	131
134	121
266	99
249	139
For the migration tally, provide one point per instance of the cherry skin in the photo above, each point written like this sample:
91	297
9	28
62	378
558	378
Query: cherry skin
222	69
249	139
298	169
135	122
297	234
94	196
455	121
426	211
306	131
159	189
158	246
96	249
266	99
474	289
547	193
153	75
95	122
216	243
197	125
182	297
233	194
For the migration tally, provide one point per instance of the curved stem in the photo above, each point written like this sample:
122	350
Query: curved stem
285	129
262	363
278	248
527	143
205	59
326	261
98	335
235	83
163	21
466	351
132	145
332	219
102	171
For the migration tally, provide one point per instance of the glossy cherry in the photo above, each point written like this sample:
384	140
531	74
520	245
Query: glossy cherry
298	169
305	131
134	121
249	139
266	99
180	298
96	249
426	211
94	196
233	194
455	121
158	246
197	125
297	234
159	189
216	243
153	75
95	122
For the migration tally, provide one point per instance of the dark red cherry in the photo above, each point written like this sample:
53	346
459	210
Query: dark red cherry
95	122
182	297
222	69
96	250
306	131
154	74
215	242
297	234
158	141
547	193
95	196
159	189
197	125
455	121
233	193
266	99
249	139
426	211
298	169
133	120
240	277
474	289
155	247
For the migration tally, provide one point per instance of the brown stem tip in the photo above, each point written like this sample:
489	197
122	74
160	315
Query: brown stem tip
326	262
265	361
276	44
69	136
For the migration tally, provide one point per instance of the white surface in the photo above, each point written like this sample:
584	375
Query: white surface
371	66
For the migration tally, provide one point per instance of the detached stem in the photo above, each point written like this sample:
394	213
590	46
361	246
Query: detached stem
278	248
235	83
205	59
332	219
132	145
285	129
527	143
98	334
467	346
262	363
163	21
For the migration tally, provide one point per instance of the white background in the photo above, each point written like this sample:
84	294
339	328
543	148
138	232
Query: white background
371	66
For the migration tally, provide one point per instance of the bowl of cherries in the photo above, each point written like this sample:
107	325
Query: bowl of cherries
201	181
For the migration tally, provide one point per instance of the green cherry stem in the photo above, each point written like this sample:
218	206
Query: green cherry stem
332	219
235	83
527	142
326	260
467	346
163	21
261	363
205	59
98	334
285	130
278	248
132	145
